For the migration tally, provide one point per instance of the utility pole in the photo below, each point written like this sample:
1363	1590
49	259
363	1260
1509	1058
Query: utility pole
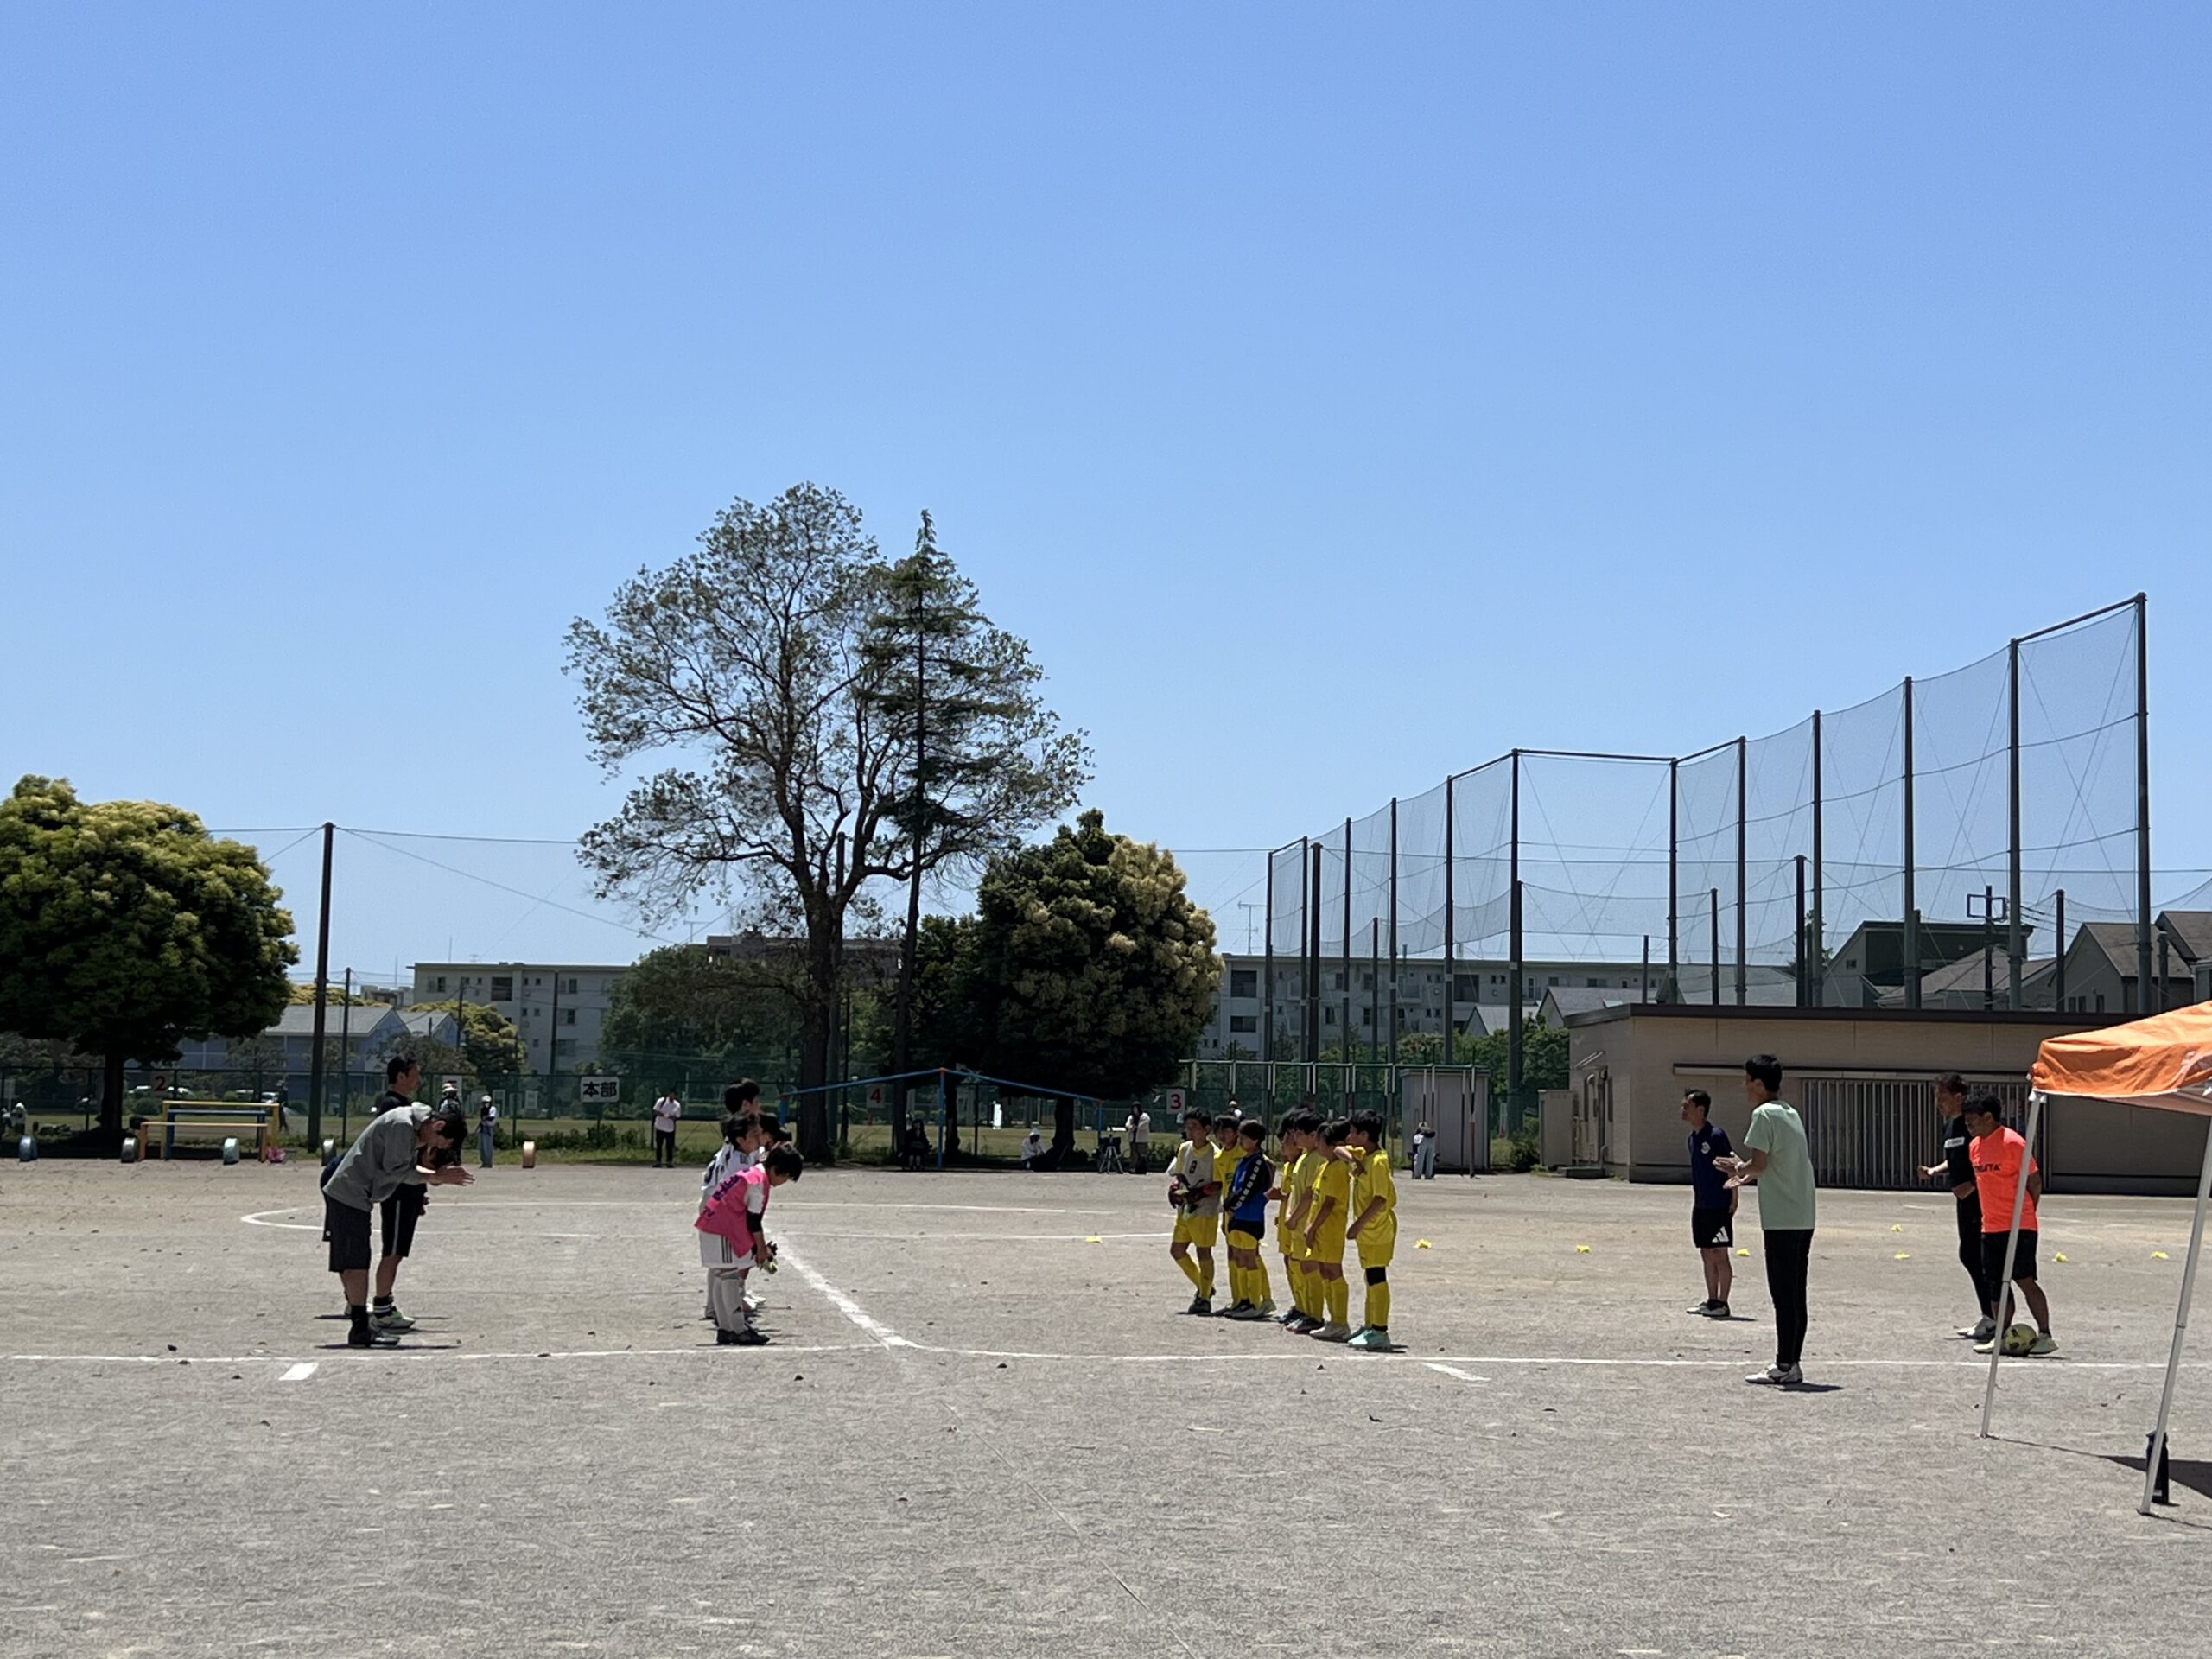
321	993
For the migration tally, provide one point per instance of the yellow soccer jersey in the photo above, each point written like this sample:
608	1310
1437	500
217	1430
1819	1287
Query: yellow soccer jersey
1371	1179
1294	1188
1331	1181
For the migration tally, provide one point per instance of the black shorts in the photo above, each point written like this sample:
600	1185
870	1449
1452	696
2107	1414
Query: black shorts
400	1213
1992	1258
1253	1231
347	1230
1712	1229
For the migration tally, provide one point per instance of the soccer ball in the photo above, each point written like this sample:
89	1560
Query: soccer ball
2019	1338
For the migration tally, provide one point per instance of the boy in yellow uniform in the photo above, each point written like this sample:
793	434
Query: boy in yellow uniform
1195	1194
1296	1165
1326	1218
1374	1227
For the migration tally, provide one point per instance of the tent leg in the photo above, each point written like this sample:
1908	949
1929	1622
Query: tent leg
2180	1325
2011	1246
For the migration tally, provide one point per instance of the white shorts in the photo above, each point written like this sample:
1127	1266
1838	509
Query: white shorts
716	1251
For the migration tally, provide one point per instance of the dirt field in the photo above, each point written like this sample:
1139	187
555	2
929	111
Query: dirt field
986	1428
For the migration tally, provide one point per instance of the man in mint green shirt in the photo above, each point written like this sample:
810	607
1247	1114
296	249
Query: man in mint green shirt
1781	1164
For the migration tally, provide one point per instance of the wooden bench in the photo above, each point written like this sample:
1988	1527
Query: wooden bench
157	1135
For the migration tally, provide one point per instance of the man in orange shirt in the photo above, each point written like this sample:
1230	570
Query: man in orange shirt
1998	1152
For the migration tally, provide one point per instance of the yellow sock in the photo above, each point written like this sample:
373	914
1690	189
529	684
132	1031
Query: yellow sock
1237	1292
1257	1278
1378	1307
1190	1269
1205	1280
1339	1299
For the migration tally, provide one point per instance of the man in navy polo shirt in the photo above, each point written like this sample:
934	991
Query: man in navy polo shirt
1713	1204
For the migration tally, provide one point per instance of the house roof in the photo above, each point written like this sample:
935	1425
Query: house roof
422	1022
1963	977
298	1020
1580	999
2115	941
2192	930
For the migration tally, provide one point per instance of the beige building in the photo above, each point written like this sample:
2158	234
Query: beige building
1863	1079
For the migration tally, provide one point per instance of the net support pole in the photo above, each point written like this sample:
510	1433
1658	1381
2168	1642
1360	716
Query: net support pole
1743	884
2015	948
2058	970
1911	918
1349	1050
1799	957
321	995
1451	951
2181	1325
1713	909
2143	803
1374	989
2011	1248
1513	959
1267	969
1312	958
1819	942
1674	882
1394	929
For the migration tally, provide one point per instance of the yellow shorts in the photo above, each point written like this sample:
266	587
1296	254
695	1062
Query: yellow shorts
1330	1246
1292	1240
1200	1230
1376	1244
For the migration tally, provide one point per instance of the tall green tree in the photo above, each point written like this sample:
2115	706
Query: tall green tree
683	999
125	928
751	662
1086	967
986	761
489	1041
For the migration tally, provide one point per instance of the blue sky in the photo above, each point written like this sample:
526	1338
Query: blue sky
1333	399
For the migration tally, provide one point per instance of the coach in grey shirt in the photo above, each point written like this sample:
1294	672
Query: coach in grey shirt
398	1148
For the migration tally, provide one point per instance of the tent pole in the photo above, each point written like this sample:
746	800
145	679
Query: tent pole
2012	1245
2180	1325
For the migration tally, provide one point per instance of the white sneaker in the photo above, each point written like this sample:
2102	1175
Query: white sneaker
1333	1332
2044	1343
1778	1376
1980	1331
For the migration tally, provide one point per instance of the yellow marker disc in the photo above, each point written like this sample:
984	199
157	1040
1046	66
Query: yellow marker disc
1896	1230
1094	1239
1582	1250
2060	1256
1904	1255
2158	1255
1423	1244
1743	1252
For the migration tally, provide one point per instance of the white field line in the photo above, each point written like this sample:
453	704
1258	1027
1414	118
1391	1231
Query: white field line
1453	1371
299	1373
389	1355
844	1304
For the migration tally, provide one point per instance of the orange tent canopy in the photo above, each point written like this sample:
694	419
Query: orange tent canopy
2164	1061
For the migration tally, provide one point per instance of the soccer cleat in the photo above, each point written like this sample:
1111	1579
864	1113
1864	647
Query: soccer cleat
726	1339
391	1319
1333	1332
1289	1315
1705	1307
1267	1307
1304	1326
1779	1377
1718	1311
1989	1347
1373	1340
1245	1311
2044	1343
1200	1304
1982	1330
749	1337
371	1337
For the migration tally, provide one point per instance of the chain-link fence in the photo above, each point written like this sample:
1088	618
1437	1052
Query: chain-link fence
1940	844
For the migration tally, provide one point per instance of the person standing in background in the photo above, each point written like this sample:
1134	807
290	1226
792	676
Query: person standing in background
668	1111
1140	1132
1957	1172
487	1122
1781	1164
